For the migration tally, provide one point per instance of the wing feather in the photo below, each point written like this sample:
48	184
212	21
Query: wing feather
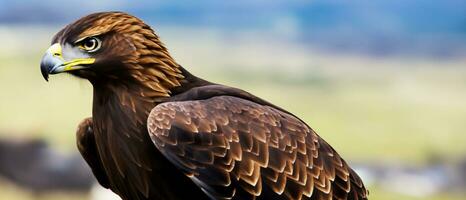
232	148
87	147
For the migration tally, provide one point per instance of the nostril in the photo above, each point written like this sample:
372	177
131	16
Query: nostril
57	54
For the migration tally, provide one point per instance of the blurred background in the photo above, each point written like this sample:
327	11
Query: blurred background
383	81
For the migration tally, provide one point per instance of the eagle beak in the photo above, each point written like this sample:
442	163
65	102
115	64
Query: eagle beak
53	62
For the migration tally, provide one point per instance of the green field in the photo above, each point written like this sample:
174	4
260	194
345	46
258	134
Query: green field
370	110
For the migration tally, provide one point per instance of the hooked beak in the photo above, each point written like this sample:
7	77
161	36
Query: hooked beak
53	63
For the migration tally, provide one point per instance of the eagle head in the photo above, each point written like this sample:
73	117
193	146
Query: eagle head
112	46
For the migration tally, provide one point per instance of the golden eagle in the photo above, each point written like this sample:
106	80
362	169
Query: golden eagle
158	132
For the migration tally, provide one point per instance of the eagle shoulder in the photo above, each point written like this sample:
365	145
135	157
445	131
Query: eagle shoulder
87	147
235	148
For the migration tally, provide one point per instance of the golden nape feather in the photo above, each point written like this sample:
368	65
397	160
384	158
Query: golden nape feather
159	132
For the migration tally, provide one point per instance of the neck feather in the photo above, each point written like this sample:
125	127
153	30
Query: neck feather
152	66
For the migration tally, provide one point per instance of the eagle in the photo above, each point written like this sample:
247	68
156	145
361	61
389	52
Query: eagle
159	132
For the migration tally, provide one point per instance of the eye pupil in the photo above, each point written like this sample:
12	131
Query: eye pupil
89	44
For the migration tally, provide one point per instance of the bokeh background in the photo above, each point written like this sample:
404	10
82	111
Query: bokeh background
383	81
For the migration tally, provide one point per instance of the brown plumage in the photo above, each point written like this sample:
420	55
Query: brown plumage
158	132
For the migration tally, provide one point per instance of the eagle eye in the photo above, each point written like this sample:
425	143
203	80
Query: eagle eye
90	44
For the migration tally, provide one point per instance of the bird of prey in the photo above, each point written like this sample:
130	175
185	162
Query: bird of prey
159	132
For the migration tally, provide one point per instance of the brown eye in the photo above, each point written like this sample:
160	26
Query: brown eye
91	44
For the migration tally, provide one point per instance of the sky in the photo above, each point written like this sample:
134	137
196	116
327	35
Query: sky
383	27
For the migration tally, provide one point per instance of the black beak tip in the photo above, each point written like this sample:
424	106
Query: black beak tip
45	72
